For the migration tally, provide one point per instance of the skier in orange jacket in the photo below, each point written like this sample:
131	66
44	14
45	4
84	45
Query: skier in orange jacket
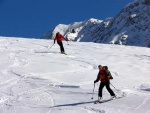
104	76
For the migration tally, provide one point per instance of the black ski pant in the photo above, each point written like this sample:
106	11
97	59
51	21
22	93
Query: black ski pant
107	84
61	47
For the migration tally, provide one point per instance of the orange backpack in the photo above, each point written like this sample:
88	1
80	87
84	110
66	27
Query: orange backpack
105	74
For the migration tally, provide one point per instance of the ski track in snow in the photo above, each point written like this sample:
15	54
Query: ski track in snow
35	79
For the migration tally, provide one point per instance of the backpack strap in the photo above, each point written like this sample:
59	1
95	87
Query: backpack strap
108	75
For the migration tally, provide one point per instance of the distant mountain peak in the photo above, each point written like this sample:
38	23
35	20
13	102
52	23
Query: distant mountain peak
131	26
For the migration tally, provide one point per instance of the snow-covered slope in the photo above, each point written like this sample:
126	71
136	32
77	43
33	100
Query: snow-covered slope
36	79
131	26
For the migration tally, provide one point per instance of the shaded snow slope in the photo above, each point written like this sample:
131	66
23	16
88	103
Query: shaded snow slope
36	79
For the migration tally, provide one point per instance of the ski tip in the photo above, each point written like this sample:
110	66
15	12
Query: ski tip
96	102
64	53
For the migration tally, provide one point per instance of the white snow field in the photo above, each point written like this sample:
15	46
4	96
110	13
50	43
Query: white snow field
36	79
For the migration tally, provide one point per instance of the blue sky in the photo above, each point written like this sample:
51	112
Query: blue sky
33	18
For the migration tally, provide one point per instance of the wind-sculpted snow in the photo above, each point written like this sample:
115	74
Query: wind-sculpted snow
36	79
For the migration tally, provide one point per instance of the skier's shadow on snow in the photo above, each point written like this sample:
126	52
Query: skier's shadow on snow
147	89
74	104
44	52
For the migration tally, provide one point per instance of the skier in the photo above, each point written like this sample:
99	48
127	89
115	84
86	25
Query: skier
104	76
59	39
73	30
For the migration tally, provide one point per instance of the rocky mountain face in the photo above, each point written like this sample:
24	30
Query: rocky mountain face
131	26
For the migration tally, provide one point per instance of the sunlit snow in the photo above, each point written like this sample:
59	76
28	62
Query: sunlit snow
35	78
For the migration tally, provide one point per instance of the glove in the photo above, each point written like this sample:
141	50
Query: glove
111	77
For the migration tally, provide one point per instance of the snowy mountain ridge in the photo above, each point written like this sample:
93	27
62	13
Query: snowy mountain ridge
81	29
131	26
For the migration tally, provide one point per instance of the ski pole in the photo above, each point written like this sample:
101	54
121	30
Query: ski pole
114	86
67	43
93	91
50	47
119	91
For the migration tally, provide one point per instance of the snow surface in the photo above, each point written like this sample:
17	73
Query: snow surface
35	78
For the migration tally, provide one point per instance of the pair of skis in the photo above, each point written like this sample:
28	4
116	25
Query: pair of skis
107	100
